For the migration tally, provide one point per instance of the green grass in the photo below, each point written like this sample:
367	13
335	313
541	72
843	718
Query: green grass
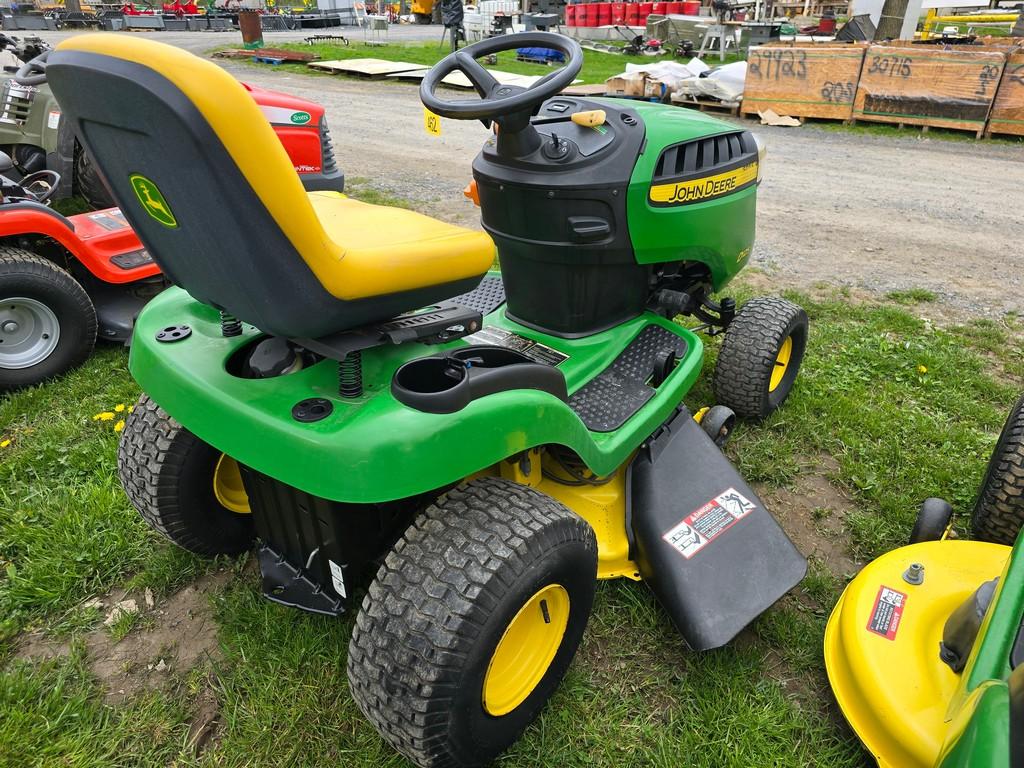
598	66
907	410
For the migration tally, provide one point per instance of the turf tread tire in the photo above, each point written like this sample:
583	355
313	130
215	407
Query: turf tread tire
748	353
89	182
72	305
999	510
158	461
425	614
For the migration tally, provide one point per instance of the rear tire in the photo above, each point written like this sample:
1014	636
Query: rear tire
47	320
999	510
767	334
481	564
90	184
168	474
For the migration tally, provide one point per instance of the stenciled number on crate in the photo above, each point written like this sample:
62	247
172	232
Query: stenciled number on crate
841	93
989	74
777	64
893	66
1017	75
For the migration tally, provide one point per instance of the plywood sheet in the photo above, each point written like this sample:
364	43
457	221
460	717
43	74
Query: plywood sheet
364	67
935	87
803	81
1008	107
458	80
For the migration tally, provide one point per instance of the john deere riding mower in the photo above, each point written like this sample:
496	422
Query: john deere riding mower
348	388
925	650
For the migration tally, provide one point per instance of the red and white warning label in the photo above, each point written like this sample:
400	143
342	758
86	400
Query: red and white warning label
700	528
887	612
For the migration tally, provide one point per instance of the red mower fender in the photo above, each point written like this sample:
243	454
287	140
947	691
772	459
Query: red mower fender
102	241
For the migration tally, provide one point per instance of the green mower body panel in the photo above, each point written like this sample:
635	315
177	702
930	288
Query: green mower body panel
373	448
717	229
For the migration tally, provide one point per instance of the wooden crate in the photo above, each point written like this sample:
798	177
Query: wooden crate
1007	114
803	81
938	88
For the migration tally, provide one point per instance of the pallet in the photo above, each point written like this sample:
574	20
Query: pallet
1007	115
803	80
936	88
709	105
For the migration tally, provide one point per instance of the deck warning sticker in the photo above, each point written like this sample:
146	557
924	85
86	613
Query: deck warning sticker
887	612
499	337
337	578
700	528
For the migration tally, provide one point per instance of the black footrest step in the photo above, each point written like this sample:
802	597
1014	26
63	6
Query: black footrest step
605	402
485	298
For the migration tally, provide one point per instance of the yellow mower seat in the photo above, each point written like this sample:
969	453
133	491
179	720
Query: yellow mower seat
379	241
212	194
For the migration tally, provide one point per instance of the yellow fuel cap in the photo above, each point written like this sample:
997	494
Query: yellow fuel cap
591	119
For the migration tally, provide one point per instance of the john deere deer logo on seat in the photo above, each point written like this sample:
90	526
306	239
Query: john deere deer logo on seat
152	200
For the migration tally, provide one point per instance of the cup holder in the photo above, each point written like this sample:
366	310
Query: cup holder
448	383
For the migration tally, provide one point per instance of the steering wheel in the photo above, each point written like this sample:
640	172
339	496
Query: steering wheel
33	71
496	100
40	185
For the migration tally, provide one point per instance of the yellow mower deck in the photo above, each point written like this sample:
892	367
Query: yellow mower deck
882	647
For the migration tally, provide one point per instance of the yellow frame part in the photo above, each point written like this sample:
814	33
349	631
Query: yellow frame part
897	693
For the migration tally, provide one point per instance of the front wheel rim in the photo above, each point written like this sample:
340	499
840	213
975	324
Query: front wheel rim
526	650
29	332
781	365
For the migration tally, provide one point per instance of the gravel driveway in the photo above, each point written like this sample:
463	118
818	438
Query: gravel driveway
875	213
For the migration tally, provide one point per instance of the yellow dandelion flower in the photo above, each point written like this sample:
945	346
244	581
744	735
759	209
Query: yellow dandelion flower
119	426
105	416
922	369
119	408
4	443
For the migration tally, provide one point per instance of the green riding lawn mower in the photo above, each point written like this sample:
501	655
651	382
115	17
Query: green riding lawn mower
350	388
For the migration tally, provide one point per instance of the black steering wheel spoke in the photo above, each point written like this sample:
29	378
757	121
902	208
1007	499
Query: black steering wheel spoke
508	105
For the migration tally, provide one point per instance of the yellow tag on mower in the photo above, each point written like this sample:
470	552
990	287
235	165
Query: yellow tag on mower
431	122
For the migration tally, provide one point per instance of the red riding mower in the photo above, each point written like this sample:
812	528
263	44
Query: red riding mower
66	279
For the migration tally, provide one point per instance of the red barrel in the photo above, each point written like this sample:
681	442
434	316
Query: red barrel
570	15
826	26
658	9
593	14
618	13
645	10
673	8
633	14
581	15
691	7
604	14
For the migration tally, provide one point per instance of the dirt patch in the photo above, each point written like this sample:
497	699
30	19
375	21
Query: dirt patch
813	513
175	635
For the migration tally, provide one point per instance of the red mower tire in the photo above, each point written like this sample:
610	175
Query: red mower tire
761	356
181	485
999	511
472	621
47	320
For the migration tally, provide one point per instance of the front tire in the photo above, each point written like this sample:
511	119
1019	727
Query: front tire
185	489
761	356
999	510
472	621
47	320
90	184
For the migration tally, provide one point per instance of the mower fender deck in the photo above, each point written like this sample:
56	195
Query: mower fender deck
882	649
372	448
711	552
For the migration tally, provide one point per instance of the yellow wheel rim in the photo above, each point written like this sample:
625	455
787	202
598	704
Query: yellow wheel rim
227	486
781	364
526	650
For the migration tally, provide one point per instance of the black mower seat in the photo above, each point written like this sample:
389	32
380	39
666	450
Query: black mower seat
204	180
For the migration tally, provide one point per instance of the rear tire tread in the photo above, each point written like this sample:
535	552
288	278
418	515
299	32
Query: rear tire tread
423	610
999	511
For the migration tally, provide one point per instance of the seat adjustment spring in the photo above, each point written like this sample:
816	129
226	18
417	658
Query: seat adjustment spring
350	375
229	325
